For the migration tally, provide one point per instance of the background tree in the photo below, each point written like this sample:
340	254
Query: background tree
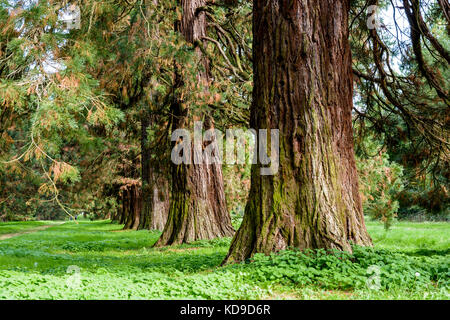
198	207
402	97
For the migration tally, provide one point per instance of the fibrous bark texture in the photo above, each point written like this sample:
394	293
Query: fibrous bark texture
155	186
131	206
197	205
303	87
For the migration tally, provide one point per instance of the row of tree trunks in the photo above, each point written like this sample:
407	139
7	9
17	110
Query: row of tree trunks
197	206
303	87
140	210
144	204
131	206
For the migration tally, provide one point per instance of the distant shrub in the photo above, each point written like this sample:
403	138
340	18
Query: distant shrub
424	200
380	182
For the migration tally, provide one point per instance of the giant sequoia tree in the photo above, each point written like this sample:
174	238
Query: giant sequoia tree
197	206
303	87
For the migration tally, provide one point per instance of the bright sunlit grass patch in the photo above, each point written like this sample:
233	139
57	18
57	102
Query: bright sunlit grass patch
22	226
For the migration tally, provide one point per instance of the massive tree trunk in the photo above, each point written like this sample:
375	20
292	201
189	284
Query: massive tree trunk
303	87
155	187
197	205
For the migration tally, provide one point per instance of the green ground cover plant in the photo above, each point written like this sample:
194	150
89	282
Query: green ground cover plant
97	260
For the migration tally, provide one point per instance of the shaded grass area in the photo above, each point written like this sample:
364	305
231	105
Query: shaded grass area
115	264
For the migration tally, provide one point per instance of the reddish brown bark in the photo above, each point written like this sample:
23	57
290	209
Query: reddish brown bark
198	208
155	186
131	206
303	87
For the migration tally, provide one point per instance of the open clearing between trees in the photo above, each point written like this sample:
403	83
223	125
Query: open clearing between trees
413	261
24	228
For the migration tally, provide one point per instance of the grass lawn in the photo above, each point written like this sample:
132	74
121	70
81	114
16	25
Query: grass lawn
96	260
22	226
